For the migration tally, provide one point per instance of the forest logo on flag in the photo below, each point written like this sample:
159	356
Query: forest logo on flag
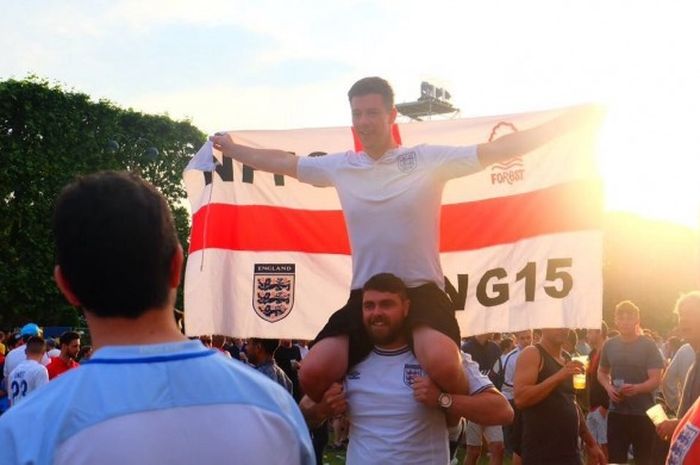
511	170
273	290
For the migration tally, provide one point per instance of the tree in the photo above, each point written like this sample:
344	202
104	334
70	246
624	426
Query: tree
48	135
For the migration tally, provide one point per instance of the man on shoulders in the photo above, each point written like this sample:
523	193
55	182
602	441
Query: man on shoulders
391	197
119	259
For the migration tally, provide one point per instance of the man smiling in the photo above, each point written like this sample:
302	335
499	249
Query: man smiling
391	198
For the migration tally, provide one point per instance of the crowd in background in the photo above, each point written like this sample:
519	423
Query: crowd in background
496	353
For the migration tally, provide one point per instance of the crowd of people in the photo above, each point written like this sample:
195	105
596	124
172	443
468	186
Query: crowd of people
391	360
628	371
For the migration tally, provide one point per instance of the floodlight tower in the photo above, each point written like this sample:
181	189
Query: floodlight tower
432	101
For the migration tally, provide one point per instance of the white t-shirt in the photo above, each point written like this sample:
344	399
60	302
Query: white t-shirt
162	403
25	378
392	206
17	356
387	425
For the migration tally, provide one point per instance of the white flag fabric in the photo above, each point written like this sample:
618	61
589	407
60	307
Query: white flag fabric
520	241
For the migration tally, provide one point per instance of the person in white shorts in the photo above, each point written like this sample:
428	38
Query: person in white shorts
396	413
30	374
148	395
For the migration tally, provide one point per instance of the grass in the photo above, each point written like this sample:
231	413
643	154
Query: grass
332	457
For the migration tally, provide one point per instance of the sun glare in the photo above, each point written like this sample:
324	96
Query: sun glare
650	163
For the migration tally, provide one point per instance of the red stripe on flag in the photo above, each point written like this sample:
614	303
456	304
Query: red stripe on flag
465	226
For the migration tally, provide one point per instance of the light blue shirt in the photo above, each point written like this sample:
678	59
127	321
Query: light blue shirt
174	403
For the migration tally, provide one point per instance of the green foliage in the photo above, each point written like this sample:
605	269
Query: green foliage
48	135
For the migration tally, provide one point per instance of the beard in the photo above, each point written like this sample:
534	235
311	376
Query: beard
385	334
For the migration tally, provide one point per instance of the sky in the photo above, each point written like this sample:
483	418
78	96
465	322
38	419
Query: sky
228	65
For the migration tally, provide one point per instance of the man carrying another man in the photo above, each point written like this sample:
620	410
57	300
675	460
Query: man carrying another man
396	413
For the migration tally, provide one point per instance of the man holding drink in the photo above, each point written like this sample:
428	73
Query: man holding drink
630	371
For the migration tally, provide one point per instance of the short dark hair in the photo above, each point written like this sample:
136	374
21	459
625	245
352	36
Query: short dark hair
386	282
268	345
35	345
115	240
373	85
68	337
626	307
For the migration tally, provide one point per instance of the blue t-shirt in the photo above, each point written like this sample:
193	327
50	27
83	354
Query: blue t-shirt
629	362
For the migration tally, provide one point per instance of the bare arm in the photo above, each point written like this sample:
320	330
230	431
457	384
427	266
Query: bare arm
526	390
274	161
522	142
333	403
487	407
604	380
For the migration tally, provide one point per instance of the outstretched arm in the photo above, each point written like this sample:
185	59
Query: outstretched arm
274	161
522	142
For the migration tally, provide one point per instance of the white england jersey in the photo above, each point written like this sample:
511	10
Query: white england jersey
387	425
17	356
392	206
175	403
28	376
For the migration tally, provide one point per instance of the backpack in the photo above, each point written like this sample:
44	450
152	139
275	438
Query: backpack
498	377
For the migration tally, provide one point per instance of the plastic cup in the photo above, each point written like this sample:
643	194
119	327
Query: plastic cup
580	379
657	414
583	359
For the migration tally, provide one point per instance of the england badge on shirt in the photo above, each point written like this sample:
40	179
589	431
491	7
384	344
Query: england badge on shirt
407	162
410	372
273	290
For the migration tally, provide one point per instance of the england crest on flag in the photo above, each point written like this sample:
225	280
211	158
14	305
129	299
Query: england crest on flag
273	290
410	371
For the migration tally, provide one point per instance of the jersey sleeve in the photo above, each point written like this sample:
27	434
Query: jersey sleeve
41	377
451	161
477	381
319	171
